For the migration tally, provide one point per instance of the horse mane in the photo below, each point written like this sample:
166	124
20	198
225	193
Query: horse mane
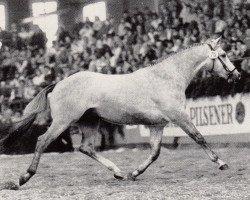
159	60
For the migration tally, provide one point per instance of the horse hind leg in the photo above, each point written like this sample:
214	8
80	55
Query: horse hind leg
155	144
87	147
43	141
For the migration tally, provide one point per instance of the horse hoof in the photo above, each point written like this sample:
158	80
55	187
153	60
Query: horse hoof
119	176
130	176
24	178
22	181
223	167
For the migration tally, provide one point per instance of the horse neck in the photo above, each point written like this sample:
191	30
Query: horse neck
182	66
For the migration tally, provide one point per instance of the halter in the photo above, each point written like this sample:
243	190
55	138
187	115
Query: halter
216	55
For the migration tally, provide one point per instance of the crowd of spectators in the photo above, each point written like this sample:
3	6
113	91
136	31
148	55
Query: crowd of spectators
120	47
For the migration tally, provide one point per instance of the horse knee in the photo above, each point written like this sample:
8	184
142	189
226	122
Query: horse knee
198	138
46	138
40	139
43	141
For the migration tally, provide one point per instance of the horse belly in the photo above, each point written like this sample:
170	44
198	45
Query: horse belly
132	117
143	118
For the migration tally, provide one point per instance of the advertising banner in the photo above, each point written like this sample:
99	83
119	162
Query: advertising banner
214	116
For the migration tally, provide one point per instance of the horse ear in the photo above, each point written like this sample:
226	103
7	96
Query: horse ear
216	42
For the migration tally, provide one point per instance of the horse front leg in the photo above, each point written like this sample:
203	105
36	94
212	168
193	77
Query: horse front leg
184	122
155	144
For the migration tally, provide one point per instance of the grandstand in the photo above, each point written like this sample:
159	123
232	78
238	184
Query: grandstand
43	42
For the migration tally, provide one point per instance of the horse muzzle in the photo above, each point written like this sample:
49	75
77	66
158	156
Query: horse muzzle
235	76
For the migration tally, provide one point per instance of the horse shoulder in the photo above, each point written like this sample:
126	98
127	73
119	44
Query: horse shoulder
169	100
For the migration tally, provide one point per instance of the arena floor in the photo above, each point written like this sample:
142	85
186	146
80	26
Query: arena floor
177	174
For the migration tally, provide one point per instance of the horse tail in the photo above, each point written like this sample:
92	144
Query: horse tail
17	129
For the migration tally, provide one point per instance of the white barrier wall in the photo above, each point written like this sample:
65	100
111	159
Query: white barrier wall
214	116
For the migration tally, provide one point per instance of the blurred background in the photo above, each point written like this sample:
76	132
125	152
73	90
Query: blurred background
43	42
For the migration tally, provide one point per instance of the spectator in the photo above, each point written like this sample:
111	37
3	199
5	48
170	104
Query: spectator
26	65
86	31
62	34
39	78
156	21
247	38
220	24
29	90
177	44
122	27
38	39
97	25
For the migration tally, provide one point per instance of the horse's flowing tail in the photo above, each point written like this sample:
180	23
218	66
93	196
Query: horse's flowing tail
11	133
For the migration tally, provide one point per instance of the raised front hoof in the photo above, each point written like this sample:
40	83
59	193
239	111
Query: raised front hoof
119	176
130	177
24	178
223	167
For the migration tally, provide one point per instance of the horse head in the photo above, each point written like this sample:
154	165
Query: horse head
218	62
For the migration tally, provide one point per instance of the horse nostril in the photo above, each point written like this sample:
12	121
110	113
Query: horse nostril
239	76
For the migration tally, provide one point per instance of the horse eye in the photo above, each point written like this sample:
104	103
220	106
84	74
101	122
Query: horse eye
223	55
